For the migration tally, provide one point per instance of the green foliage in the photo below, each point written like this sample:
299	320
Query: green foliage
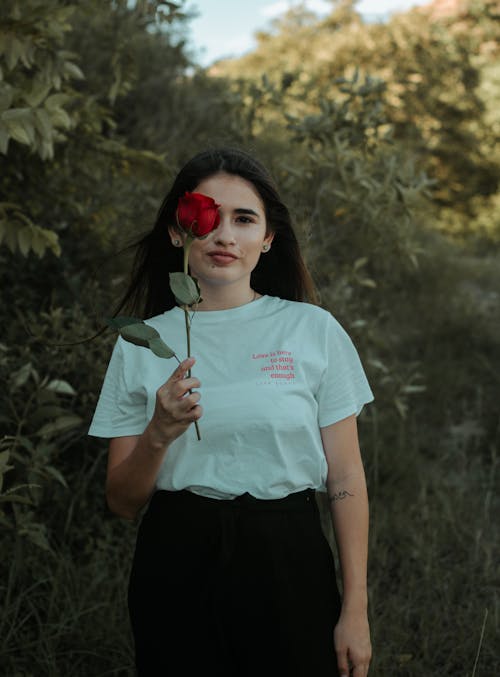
37	74
48	101
55	589
19	232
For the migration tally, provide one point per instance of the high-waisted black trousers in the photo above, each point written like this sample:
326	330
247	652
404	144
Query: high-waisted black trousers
234	588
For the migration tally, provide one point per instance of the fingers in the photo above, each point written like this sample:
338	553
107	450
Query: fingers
353	668
176	401
360	670
179	394
195	414
181	370
178	389
190	401
177	385
343	663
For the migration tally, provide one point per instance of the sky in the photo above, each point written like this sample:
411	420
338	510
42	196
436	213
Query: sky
226	27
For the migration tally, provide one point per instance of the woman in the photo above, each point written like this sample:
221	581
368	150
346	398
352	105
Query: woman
231	571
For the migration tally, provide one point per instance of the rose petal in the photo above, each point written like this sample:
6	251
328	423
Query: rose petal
198	214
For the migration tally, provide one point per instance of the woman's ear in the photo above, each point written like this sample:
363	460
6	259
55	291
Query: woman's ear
176	238
267	241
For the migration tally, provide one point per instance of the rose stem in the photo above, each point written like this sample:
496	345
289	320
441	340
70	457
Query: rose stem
187	247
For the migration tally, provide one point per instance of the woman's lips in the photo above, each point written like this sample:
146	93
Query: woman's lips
222	259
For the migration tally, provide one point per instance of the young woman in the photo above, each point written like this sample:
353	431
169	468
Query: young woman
232	573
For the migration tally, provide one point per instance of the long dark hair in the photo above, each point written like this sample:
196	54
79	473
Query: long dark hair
280	272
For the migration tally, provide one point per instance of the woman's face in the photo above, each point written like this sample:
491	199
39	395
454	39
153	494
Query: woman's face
228	255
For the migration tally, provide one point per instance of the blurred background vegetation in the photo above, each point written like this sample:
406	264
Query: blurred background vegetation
384	142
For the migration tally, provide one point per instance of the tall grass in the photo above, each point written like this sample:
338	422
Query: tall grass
64	609
434	555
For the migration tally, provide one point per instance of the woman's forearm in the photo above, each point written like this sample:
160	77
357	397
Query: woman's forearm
349	510
131	481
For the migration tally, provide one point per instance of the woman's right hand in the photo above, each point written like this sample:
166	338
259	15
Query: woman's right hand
176	408
135	460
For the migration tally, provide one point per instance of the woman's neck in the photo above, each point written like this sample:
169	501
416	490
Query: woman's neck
224	298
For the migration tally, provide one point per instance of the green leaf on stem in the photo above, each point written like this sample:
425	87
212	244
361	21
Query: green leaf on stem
137	332
122	321
185	289
140	334
160	348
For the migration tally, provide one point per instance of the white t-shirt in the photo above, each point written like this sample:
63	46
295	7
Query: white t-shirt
272	373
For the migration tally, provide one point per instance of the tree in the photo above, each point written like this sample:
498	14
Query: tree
55	112
438	70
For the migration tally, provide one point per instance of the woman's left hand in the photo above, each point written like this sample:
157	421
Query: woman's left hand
352	644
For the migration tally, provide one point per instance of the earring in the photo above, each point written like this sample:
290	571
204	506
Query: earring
177	243
266	247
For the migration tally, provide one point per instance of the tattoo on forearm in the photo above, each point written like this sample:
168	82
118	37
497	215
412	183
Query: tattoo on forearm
340	495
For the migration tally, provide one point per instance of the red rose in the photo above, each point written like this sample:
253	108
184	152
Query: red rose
198	214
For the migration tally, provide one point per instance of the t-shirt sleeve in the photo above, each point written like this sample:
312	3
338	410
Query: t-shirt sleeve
121	408
344	388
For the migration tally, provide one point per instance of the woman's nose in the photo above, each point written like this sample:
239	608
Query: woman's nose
224	233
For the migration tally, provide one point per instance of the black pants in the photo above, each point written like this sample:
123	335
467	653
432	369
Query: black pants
235	588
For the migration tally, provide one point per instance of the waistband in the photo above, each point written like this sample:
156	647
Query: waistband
300	500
